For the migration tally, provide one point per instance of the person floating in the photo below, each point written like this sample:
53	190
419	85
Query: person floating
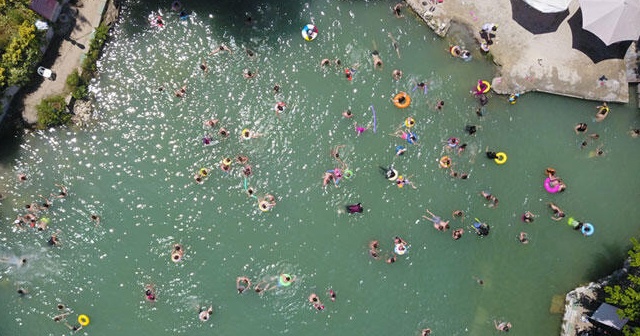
355	208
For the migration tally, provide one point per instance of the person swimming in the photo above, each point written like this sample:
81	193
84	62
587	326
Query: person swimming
390	173
355	208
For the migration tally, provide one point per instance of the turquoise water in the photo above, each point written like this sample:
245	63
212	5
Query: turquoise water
134	168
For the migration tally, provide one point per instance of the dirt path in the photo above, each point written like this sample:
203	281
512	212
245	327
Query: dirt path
81	21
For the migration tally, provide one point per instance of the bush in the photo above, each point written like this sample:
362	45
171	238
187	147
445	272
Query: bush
52	111
626	296
89	64
77	85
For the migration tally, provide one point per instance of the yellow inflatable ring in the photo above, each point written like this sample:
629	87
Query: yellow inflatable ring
264	206
406	100
246	134
455	51
226	161
83	320
203	172
501	158
487	86
445	162
409	122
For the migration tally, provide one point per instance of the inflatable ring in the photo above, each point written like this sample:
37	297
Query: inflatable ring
284	280
246	134
587	229
409	122
406	100
483	86
412	138
264	206
501	158
83	320
176	257
203	172
226	162
399	251
309	32
455	51
604	109
347	174
549	188
445	162
394	177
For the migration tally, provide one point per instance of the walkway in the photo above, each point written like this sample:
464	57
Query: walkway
85	17
528	62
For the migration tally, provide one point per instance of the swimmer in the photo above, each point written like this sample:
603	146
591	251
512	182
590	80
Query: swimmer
439	104
374	254
396	74
248	134
149	293
377	61
46	205
326	178
211	122
395	45
458	214
390	173
205	314
457	233
280	107
204	67
347	114
22	177
461	149
177	253
53	240
492	199
523	238
603	112
471	129
332	294
313	298
325	62
318	306
181	92
550	172
396	10
421	85
425	332
483	99
276	89
259	289
491	155
528	217
63	192
270	199
438	223
61	317
242	283
73	328
478	281
250	53
223	132
222	47
580	128
402	181
391	259
242	159
355	208
22	291
635	132
246	73
558	214
374	245
337	62
247	170
336	155
250	192
286	279
598	152
360	129
400	150
502	326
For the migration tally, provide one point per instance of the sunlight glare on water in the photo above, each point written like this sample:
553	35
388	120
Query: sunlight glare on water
134	167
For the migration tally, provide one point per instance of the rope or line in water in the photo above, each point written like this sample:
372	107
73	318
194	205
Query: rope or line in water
246	188
375	123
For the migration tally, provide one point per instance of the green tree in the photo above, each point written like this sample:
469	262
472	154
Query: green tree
52	111
627	296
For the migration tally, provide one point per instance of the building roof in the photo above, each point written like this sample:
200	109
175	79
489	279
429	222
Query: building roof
607	315
49	9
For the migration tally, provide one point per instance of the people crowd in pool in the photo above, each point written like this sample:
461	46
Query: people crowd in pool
35	216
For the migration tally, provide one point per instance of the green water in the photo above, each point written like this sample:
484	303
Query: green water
134	168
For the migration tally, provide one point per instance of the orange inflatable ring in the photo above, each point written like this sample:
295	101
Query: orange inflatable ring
401	100
445	162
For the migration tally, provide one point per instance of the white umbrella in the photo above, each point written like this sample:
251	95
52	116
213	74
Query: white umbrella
612	20
549	6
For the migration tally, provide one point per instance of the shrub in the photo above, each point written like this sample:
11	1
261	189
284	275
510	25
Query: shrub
52	111
627	295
